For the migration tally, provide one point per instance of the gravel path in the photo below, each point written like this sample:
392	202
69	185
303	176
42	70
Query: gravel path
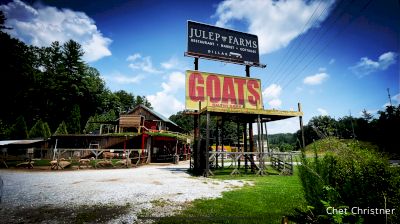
139	187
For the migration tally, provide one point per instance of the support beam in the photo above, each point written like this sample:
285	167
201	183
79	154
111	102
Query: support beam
207	146
245	149
222	141
301	127
266	136
239	148
196	64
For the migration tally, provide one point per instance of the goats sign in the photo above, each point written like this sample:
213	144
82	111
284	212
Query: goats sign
222	91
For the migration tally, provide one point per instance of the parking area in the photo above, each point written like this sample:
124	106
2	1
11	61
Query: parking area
162	187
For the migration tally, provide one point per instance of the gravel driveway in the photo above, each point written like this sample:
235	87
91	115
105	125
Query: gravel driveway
162	189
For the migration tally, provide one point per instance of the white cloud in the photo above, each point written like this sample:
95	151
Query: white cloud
395	101
315	79
290	125
138	62
271	95
165	101
272	91
322	111
275	103
42	25
165	104
275	22
332	61
396	98
119	78
133	57
366	66
173	63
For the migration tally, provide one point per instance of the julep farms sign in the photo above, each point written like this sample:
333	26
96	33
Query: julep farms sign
222	44
222	91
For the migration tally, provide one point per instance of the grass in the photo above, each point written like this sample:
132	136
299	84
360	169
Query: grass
266	201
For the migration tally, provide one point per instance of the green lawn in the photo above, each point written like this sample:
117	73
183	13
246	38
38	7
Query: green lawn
270	198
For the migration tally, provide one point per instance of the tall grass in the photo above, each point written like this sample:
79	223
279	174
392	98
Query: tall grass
349	175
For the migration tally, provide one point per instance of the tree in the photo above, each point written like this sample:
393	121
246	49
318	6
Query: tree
367	116
184	121
40	130
126	100
3	22
142	100
62	129
74	120
19	129
92	124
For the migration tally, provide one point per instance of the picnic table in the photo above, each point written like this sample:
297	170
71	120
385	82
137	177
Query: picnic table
27	164
59	165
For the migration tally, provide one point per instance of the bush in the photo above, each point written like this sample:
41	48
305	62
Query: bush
350	176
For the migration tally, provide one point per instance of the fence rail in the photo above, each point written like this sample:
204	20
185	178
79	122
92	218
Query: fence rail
280	161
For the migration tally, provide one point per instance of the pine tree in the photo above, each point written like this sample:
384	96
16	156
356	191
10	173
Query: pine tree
62	129
19	129
74	120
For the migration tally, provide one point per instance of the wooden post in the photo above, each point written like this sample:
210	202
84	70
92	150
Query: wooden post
222	142
198	159
262	136
251	143
207	170
239	149
245	145
217	143
301	127
196	64
259	142
259	133
266	136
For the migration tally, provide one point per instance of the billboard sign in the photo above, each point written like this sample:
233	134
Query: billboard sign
222	44
223	91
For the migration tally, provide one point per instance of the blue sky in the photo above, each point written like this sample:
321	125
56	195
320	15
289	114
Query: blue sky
335	57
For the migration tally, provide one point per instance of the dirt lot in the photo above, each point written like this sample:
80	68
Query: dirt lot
102	196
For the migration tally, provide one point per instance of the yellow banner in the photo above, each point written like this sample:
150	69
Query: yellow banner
223	91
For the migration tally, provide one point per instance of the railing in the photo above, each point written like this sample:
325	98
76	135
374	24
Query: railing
281	161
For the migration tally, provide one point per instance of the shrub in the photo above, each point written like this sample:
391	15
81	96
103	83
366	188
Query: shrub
350	176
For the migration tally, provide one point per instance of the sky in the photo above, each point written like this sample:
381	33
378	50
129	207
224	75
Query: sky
336	58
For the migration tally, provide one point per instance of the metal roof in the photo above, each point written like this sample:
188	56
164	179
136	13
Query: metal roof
155	114
20	142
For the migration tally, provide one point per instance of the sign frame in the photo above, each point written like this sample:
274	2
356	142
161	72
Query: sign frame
222	44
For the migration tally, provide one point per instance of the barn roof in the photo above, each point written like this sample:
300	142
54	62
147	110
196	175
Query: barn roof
156	114
20	142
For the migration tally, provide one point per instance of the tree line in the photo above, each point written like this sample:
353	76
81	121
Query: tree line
47	90
380	131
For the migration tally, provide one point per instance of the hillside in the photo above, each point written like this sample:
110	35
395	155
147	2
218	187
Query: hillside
332	144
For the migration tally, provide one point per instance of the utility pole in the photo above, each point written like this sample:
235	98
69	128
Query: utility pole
390	99
352	126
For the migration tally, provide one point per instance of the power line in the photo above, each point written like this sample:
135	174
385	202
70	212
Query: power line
322	35
301	39
330	41
279	78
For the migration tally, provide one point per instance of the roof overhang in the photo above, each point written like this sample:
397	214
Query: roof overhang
251	114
